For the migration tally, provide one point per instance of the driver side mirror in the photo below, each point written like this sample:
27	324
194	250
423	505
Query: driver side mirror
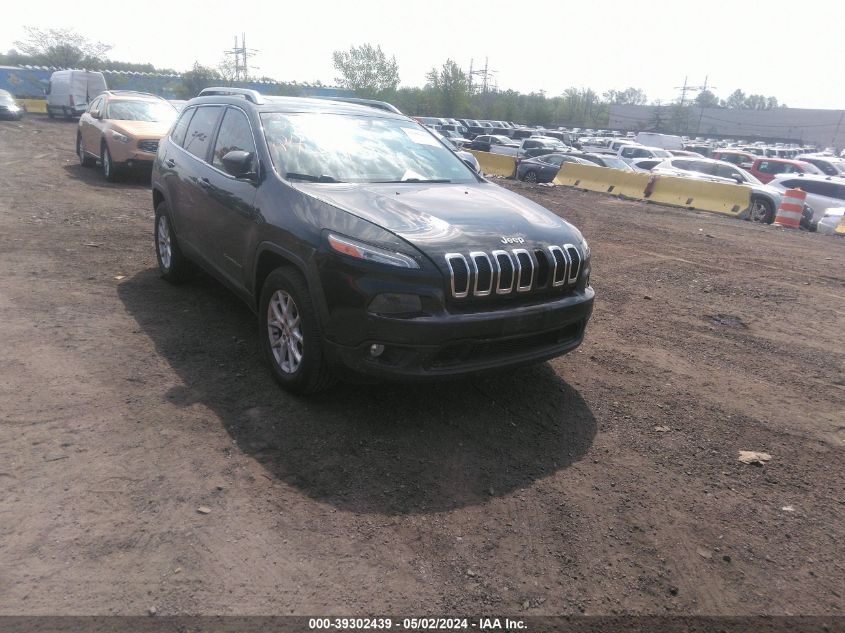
471	166
95	114
238	163
738	179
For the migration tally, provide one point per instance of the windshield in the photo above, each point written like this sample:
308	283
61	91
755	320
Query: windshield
155	111
342	148
616	163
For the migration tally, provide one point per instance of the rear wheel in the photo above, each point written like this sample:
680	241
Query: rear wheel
762	210
171	263
84	159
530	176
290	333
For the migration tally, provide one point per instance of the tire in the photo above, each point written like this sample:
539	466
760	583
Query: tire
288	327
84	159
762	210
50	114
111	171
171	262
530	176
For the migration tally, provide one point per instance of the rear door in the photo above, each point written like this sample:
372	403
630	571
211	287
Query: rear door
190	168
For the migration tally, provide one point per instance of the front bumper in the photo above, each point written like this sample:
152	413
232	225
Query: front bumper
451	344
130	153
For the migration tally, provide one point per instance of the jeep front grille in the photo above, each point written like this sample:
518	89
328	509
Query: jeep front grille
517	271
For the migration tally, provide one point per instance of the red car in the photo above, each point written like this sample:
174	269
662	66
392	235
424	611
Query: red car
767	168
735	156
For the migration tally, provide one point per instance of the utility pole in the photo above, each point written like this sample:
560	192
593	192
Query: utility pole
683	90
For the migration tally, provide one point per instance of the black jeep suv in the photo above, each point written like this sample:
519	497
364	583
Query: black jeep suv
364	244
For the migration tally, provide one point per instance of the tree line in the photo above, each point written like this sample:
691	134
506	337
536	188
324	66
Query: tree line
449	91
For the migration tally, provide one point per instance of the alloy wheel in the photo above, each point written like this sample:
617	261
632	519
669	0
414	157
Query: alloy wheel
284	327
165	252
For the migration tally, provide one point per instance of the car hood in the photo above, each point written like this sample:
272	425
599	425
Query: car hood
440	218
141	129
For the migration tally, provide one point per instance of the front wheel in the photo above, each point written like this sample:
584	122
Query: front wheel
290	333
110	170
171	263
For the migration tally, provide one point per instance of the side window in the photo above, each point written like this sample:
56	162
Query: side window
628	151
181	127
235	134
199	131
682	164
95	104
554	160
839	192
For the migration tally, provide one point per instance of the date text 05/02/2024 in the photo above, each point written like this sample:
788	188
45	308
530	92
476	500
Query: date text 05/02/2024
417	624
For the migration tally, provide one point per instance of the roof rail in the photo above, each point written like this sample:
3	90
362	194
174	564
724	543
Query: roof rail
250	95
381	105
135	92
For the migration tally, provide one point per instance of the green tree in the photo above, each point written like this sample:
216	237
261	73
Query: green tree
629	96
367	71
451	89
736	100
707	99
61	48
196	79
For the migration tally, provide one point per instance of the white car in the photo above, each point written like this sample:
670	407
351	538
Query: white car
630	152
829	165
764	199
823	192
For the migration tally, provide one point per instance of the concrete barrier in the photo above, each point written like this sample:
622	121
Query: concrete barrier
718	197
602	179
34	105
495	164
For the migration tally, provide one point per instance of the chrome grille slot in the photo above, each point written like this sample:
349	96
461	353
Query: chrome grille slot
525	270
574	263
542	268
459	274
561	266
483	270
504	263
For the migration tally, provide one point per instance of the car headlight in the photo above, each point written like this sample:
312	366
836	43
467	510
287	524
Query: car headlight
120	137
587	252
369	253
14	108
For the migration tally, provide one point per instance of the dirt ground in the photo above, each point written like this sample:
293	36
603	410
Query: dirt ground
604	482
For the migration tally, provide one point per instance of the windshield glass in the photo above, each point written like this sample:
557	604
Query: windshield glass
616	163
156	111
343	148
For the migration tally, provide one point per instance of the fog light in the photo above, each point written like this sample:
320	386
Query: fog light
394	303
376	350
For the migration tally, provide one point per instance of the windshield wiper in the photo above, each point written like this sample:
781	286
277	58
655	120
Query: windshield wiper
412	180
312	177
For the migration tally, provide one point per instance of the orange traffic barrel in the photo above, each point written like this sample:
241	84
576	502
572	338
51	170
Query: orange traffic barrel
790	209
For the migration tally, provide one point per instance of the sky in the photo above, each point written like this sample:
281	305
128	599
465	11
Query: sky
547	46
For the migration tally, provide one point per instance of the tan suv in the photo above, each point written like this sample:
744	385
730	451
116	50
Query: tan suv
121	129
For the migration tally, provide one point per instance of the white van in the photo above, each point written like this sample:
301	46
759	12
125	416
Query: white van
665	141
70	91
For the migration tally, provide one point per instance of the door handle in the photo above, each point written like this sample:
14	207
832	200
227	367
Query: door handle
205	183
170	162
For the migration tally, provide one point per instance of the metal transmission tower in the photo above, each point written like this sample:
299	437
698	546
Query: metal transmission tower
486	74
241	56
